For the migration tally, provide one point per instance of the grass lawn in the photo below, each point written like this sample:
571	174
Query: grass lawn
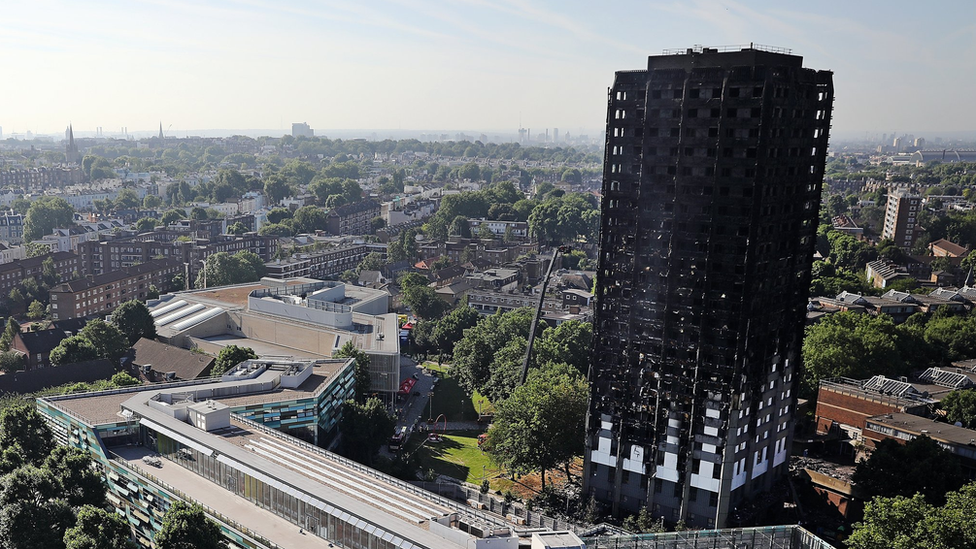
457	456
449	398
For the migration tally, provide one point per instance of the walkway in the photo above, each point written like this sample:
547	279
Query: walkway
263	523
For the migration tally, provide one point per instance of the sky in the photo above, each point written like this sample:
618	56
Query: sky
471	65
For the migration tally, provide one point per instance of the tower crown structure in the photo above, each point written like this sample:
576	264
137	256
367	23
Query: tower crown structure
713	168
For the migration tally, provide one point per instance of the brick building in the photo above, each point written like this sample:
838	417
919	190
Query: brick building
66	266
323	264
109	255
99	295
353	218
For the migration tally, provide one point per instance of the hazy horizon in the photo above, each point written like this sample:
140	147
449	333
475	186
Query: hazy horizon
471	64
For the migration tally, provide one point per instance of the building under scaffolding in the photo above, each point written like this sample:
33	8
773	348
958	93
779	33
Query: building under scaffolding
712	177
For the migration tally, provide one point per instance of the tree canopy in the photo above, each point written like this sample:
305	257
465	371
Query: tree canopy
919	466
231	356
540	426
850	345
45	214
960	406
222	269
133	319
365	428
903	522
185	526
363	378
97	528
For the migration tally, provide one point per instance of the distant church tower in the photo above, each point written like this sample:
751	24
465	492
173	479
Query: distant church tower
160	131
71	154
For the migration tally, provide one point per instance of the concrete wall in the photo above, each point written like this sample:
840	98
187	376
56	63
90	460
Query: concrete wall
301	313
288	335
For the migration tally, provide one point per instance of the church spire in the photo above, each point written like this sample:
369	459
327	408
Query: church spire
70	148
160	131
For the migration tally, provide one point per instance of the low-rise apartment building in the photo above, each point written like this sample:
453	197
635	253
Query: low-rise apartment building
66	266
108	255
98	295
322	264
353	218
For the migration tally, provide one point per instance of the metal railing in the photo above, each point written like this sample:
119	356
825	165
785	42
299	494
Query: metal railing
698	48
373	473
767	537
224	522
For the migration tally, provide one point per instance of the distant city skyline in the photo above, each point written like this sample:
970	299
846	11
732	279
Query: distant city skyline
471	65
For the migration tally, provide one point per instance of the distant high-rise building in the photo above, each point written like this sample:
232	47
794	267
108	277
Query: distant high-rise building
712	178
301	129
901	218
555	135
919	142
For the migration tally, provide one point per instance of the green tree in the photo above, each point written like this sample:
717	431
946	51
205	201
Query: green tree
372	262
474	353
45	214
309	219
920	465
960	406
222	268
11	361
11	331
377	223
172	216
133	319
424	301
237	228
123	379
186	526
22	428
146	224
568	343
459	227
152	201
105	338
78	482
893	523
231	356
127	199
276	188
953	337
542	424
412	280
850	345
36	310
199	214
32	515
365	428
276	229
98	529
277	215
71	350
450	329
362	376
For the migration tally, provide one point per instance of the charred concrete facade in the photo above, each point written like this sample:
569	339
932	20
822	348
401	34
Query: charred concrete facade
712	176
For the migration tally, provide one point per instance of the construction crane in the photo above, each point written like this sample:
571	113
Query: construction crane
538	311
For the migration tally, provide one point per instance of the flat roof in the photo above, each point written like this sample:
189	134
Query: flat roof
945	432
101	408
